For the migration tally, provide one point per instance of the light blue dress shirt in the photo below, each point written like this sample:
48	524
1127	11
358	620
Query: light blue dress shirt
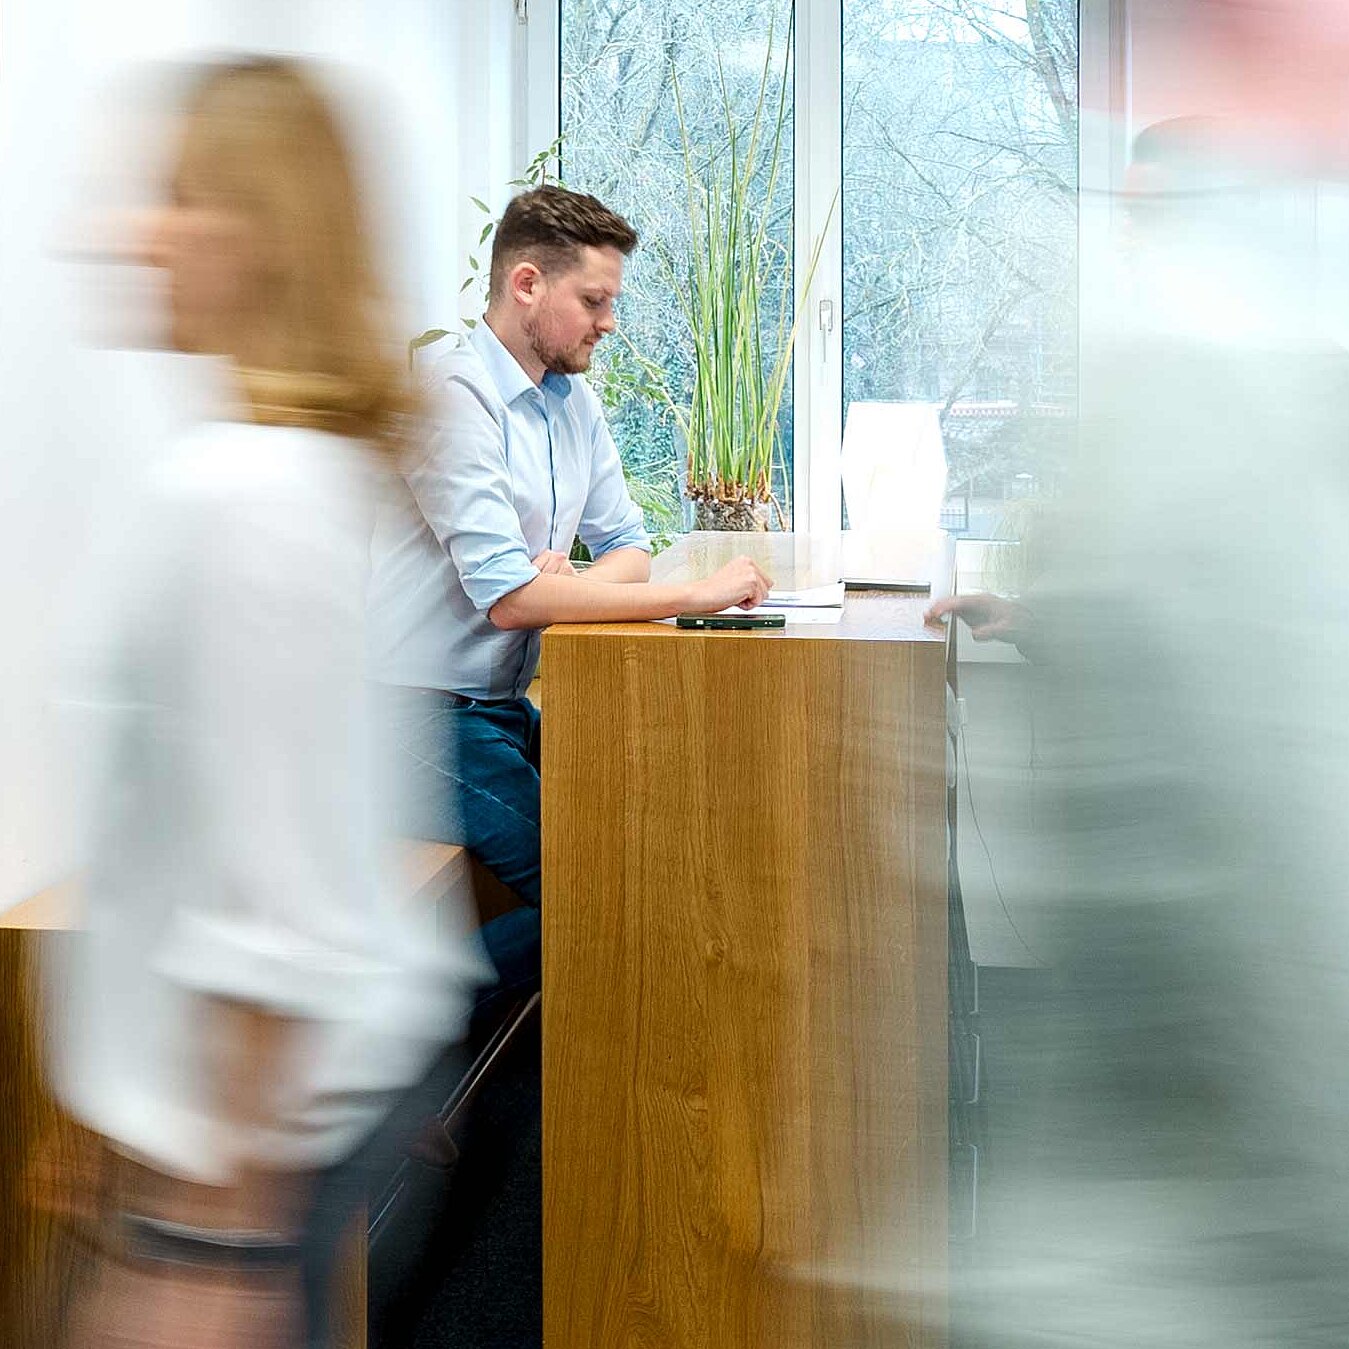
511	468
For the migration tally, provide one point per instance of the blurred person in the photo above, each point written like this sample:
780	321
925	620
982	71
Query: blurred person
472	562
247	1009
1190	642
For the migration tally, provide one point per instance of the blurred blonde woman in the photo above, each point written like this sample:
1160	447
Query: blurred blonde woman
246	1004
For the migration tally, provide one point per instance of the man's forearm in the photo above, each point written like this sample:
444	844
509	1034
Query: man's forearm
581	599
622	565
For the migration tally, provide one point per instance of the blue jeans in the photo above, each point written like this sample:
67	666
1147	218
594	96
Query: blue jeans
469	774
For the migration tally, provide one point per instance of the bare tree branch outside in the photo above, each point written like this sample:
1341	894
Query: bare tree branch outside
959	210
960	229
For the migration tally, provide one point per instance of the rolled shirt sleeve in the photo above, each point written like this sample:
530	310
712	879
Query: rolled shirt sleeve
463	489
511	468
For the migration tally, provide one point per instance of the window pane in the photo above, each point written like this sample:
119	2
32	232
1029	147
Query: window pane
621	62
960	234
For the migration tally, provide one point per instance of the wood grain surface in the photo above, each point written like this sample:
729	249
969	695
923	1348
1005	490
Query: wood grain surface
40	1257
744	1022
868	616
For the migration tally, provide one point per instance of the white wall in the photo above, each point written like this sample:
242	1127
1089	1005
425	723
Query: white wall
75	421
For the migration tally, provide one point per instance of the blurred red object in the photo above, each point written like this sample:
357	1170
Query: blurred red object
1277	70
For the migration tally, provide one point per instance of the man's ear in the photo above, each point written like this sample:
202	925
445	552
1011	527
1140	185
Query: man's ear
524	282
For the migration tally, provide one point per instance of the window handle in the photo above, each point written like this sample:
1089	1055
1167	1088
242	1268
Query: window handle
825	318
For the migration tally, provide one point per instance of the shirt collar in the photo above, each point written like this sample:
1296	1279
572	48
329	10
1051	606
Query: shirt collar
507	373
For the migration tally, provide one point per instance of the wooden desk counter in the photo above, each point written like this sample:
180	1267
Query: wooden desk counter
40	1258
868	616
744	1017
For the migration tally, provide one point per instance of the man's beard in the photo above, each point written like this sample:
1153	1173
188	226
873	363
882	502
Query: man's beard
559	361
573	362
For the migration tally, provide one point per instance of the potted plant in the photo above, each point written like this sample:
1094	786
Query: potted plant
741	345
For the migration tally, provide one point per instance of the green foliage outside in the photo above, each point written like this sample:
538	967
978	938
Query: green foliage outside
958	208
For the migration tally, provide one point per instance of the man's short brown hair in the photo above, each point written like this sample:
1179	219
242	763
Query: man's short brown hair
549	226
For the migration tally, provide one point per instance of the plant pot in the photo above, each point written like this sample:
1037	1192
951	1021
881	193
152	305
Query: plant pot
743	516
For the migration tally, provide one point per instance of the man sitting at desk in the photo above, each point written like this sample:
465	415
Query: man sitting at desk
472	562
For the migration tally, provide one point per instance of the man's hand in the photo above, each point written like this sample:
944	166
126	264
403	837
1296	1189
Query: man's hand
990	617
739	583
551	563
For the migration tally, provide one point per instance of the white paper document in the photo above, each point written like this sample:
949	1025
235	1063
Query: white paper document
816	597
800	613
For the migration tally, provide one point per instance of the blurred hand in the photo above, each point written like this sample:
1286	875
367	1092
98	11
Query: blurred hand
739	583
551	563
990	618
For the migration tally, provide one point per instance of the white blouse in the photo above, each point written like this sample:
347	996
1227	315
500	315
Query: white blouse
236	817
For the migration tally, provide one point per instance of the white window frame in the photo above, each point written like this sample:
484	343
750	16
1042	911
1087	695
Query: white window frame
818	360
817	366
538	92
